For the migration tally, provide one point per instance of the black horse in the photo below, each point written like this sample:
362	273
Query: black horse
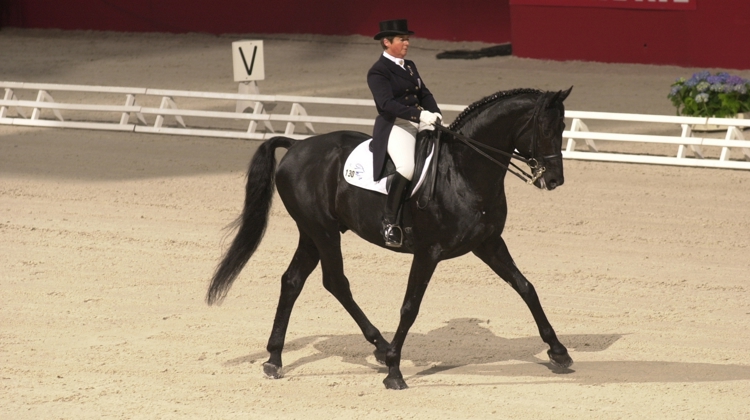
467	213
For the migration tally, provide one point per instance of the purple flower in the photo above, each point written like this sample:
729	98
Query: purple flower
735	80
703	75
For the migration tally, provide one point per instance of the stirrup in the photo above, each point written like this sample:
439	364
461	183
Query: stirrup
389	234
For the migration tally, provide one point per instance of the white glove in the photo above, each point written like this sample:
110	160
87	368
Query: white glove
428	117
423	125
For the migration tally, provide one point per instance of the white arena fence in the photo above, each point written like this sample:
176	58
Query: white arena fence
113	112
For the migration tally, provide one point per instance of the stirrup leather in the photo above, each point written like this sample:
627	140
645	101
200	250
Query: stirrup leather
393	235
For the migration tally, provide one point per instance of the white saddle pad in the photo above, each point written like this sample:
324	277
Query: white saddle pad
358	170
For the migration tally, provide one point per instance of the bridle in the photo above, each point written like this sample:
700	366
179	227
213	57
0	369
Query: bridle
537	168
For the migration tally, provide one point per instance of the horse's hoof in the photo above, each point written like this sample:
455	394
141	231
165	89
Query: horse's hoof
562	361
395	383
379	356
272	371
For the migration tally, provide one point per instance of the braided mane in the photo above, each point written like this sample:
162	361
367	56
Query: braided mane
479	105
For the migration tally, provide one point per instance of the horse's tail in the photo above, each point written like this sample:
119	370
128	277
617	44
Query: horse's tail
253	220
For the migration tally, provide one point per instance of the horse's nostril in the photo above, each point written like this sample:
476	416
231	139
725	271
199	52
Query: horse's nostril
552	185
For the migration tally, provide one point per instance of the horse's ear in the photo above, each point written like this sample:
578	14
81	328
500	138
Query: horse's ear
558	96
564	94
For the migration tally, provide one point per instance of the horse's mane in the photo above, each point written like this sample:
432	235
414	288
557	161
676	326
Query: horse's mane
473	109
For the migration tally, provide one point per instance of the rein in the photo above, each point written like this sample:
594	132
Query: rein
536	169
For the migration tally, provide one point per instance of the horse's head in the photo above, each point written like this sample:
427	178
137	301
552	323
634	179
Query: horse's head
525	124
540	140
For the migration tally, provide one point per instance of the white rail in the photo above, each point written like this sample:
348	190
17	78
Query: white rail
733	139
89	116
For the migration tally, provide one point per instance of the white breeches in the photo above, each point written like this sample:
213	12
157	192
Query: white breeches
401	145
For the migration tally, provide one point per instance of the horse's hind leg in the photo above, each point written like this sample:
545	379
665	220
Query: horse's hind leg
495	254
303	263
337	284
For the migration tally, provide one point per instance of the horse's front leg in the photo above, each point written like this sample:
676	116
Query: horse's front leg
422	267
495	253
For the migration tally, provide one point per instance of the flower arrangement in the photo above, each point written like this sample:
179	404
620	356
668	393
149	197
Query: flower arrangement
706	95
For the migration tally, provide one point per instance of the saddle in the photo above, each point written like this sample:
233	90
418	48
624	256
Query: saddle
358	172
358	168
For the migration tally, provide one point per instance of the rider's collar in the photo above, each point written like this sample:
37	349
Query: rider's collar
398	61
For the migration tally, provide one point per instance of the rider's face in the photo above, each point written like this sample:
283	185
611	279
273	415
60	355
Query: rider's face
398	47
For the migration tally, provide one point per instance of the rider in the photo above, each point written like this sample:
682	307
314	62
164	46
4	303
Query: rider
405	107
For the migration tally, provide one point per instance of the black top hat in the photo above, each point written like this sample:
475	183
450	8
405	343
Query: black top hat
393	27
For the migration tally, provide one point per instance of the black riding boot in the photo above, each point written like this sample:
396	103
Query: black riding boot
392	232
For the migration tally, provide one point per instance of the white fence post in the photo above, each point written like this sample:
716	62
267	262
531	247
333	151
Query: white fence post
251	87
168	102
733	134
36	113
130	101
258	110
247	88
298	109
687	131
578	125
8	96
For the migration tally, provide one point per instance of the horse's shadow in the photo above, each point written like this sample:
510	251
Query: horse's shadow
464	346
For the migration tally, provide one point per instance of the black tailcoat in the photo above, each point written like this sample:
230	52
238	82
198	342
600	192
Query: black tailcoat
398	93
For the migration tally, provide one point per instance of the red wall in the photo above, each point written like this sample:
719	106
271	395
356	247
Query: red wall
478	20
715	34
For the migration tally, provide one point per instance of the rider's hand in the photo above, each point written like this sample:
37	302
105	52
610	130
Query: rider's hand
428	117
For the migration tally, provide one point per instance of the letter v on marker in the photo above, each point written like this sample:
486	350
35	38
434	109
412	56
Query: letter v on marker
252	61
